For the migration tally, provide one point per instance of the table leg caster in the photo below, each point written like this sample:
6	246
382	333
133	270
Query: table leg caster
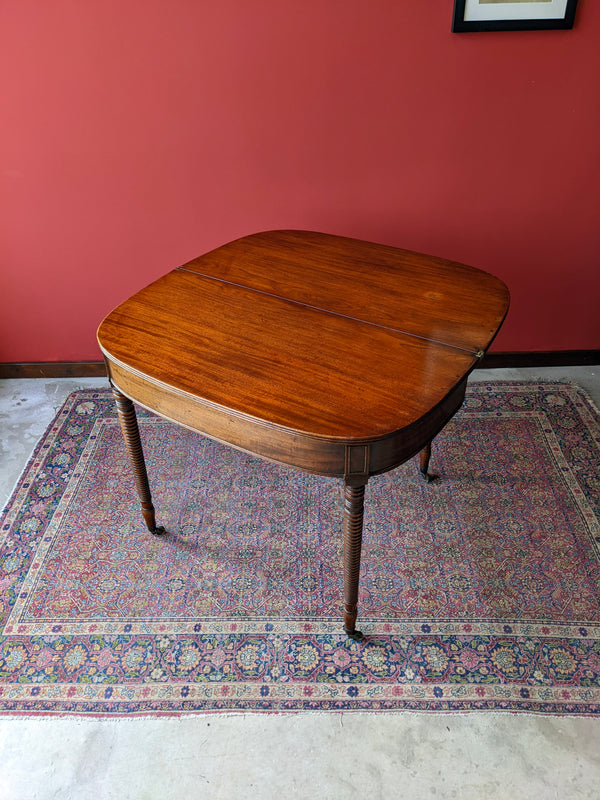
356	636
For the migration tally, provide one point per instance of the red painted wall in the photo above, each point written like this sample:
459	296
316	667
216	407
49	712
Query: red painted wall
135	135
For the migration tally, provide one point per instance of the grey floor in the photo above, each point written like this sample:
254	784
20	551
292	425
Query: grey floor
337	756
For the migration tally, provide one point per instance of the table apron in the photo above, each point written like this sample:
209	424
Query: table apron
354	460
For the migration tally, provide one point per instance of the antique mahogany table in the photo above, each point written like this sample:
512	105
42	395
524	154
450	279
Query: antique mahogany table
332	355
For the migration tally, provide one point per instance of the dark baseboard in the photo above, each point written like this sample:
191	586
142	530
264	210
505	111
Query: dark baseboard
552	358
97	369
54	369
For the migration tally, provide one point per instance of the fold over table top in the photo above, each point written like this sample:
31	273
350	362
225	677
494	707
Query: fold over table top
307	333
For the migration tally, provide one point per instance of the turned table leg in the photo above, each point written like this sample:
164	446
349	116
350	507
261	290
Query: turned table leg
131	434
353	525
425	455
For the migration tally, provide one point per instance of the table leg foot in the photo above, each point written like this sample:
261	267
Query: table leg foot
353	526
131	434
425	456
356	636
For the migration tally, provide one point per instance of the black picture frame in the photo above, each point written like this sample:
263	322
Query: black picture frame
459	25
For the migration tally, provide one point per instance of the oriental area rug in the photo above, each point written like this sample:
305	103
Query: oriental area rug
479	591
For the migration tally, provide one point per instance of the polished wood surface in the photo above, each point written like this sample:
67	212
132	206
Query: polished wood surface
333	355
405	291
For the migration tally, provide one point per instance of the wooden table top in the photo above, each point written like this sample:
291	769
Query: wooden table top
307	334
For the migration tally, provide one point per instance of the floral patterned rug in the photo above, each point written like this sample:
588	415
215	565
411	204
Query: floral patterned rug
480	591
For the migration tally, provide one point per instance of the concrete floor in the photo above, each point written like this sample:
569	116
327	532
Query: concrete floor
337	756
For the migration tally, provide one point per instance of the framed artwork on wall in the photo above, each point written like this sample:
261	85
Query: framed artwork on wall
512	15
